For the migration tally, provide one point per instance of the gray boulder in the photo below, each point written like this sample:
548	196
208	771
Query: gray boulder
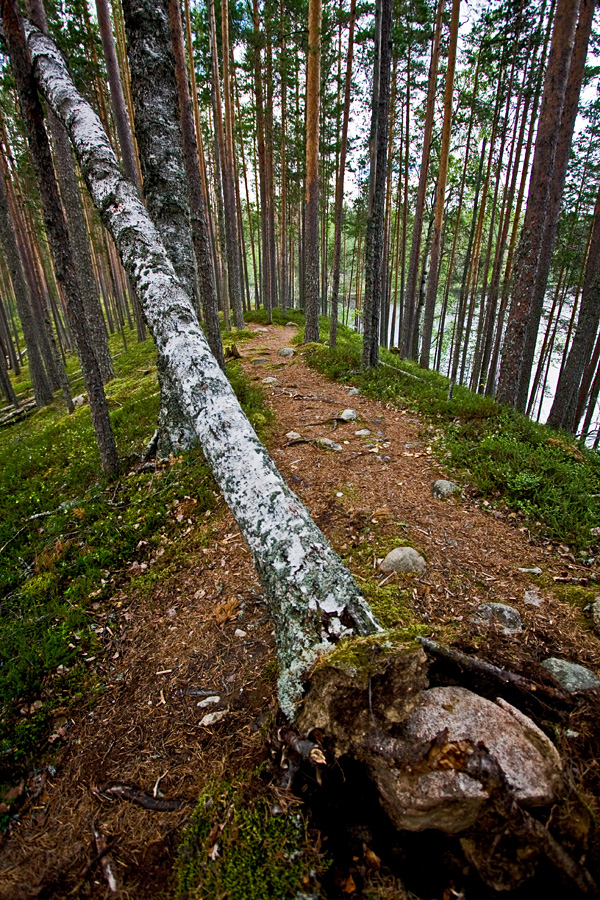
441	489
286	351
498	614
259	361
571	676
444	789
403	559
293	436
270	380
348	415
327	444
353	392
363	432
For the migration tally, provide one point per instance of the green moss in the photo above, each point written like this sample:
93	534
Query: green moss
240	845
575	594
359	656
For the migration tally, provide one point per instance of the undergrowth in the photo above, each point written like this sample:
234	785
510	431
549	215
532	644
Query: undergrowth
68	538
241	844
541	474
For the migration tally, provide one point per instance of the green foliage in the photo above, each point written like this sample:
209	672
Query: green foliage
537	472
240	846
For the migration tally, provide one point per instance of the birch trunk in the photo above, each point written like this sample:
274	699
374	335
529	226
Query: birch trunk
312	598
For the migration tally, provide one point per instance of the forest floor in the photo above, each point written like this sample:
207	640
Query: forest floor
203	631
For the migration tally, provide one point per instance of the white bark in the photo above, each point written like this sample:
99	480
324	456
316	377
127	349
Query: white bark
312	598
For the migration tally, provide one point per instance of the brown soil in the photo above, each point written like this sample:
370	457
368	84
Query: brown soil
167	652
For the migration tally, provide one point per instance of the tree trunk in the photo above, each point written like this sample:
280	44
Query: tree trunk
311	214
126	140
408	326
559	172
58	234
376	214
441	190
513	381
564	407
198	212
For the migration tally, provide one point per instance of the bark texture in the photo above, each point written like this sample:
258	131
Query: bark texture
198	212
311	214
312	597
374	241
513	380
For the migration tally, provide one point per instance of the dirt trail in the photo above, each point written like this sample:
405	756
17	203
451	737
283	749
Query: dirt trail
203	632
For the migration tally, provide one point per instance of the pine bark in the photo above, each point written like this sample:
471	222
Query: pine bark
119	106
198	212
339	187
312	598
432	284
311	213
513	380
408	326
374	240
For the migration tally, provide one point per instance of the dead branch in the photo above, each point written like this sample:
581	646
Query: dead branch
135	795
106	861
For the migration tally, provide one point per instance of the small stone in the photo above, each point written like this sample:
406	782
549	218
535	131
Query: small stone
259	361
571	676
286	351
353	392
348	415
403	559
498	614
270	380
362	432
533	596
442	488
535	571
212	718
596	614
80	400
327	444
293	436
209	701
239	632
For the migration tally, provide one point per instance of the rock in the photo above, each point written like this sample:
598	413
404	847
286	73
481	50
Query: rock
286	351
212	718
403	559
327	444
442	488
535	571
291	324
353	392
270	380
261	330
293	436
363	432
259	361
209	701
571	676
446	736
80	400
533	596
347	415
596	614
498	614
239	632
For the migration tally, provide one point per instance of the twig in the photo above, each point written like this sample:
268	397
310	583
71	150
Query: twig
135	795
480	667
106	861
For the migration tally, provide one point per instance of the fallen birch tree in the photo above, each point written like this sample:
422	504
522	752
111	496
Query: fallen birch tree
441	758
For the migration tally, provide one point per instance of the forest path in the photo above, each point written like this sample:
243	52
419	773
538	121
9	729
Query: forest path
201	630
